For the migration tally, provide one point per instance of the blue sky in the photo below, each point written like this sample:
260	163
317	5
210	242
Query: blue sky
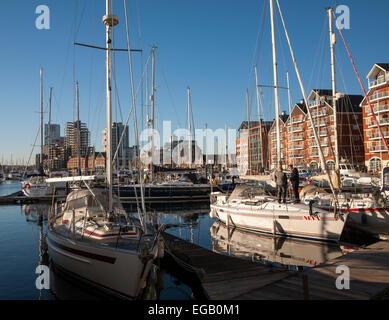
210	46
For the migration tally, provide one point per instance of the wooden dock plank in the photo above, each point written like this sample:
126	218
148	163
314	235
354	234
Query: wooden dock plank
225	277
369	276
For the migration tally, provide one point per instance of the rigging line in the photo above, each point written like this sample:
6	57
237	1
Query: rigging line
360	83
102	48
322	160
29	158
319	49
141	60
259	34
79	24
348	97
141	215
129	115
116	95
168	89
91	64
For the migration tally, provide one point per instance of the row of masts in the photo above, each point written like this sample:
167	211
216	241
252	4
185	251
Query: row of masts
276	93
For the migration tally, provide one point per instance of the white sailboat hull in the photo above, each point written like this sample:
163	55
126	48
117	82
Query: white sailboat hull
292	220
121	273
37	190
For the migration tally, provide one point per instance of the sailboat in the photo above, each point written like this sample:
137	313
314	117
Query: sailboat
37	186
369	205
92	237
247	209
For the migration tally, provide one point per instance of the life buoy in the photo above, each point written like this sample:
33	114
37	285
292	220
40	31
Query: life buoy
27	186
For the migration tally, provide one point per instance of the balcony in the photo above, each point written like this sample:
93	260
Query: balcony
380	147
377	135
382	122
296	156
296	129
318	124
379	95
378	109
324	143
296	146
320	134
380	80
315	103
297	138
296	120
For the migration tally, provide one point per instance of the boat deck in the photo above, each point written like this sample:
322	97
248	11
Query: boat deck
118	243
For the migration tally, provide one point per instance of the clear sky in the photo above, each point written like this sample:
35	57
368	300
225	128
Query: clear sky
209	45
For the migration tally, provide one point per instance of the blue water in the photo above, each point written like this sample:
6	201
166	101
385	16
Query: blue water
20	234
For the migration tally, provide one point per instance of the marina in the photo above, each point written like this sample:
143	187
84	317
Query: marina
250	198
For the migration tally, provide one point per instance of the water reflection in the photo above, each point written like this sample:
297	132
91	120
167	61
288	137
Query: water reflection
278	251
23	228
36	213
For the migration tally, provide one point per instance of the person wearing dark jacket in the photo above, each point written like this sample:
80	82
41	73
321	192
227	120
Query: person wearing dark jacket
282	184
294	181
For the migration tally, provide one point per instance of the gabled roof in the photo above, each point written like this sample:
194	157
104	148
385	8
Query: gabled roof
283	117
349	103
377	68
244	124
301	106
320	92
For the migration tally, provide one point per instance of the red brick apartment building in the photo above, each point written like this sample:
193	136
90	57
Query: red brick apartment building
376	155
283	141
250	156
296	129
349	128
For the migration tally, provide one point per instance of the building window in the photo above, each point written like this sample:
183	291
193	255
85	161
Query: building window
375	164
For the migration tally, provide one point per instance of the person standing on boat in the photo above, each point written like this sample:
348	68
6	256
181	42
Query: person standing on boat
282	184
294	181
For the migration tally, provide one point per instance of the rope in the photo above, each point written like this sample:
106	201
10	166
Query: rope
360	83
141	216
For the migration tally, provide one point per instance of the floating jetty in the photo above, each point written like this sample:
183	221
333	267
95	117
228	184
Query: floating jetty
228	278
221	276
19	198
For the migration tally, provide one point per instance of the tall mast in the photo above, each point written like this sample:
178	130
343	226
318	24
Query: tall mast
259	119
317	140
78	127
277	103
49	134
190	131
290	110
332	42
41	120
110	21
248	127
152	112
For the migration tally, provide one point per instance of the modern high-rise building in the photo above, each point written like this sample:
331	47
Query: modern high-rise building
123	152
77	136
54	132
